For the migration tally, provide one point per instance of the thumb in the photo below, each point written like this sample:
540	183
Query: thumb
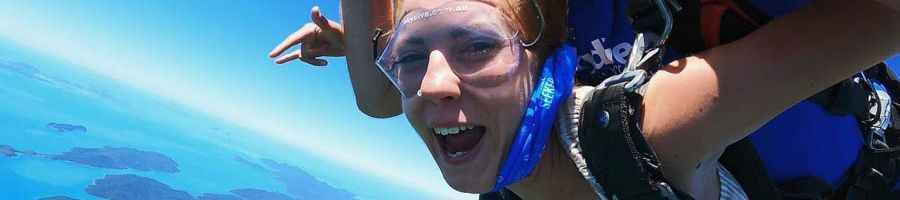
319	19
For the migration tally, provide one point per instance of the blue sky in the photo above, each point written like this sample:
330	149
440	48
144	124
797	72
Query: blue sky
210	56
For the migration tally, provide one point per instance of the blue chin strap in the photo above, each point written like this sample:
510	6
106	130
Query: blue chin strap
553	87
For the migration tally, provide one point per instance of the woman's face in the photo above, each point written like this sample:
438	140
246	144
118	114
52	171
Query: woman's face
465	78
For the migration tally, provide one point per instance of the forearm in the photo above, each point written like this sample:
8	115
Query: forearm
375	96
700	104
796	56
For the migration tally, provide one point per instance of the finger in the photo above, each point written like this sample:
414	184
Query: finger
316	15
326	27
311	52
315	61
292	40
289	57
298	54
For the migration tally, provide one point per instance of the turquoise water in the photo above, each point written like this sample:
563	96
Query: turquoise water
189	140
205	148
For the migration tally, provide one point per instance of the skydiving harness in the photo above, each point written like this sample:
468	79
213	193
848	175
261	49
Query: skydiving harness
610	137
624	163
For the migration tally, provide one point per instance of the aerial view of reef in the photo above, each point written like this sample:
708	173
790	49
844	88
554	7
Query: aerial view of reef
67	139
130	186
163	100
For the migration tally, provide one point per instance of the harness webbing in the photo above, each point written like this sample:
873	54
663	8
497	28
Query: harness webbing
615	148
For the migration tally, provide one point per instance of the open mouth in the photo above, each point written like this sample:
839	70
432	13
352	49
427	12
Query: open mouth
459	143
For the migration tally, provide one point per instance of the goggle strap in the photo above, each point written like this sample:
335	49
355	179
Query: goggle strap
375	36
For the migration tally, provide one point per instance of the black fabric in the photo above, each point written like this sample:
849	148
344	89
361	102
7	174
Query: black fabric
844	98
615	149
803	188
882	72
747	167
735	27
687	38
875	170
504	194
870	178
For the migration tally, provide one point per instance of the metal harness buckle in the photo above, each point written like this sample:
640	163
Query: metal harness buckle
879	113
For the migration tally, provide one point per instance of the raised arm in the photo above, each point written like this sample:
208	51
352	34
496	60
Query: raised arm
375	96
700	104
322	37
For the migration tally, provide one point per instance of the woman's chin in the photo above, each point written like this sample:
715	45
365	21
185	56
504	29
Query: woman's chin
471	184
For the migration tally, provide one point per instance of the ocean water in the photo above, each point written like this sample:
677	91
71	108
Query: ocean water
212	156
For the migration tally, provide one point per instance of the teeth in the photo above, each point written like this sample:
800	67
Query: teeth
457	154
441	131
451	130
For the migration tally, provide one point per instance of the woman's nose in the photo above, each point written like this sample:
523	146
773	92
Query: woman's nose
439	85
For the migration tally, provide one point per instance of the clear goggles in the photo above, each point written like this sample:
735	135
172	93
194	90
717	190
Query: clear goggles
473	38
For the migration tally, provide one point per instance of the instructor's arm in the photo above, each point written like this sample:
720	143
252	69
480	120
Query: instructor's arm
375	96
698	105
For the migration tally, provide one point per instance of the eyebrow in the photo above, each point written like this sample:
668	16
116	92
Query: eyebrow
415	40
460	32
455	33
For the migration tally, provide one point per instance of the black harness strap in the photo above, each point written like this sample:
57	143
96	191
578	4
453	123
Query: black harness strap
736	21
614	147
504	194
843	98
849	97
807	187
871	177
611	140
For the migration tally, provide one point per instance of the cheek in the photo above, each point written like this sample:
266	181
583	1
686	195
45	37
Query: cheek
508	101
414	114
504	107
414	111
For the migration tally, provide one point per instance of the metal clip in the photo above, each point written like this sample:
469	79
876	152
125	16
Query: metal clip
377	33
667	18
632	79
879	111
666	191
648	44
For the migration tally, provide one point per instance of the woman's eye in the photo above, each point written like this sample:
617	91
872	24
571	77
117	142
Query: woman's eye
479	49
411	64
410	58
